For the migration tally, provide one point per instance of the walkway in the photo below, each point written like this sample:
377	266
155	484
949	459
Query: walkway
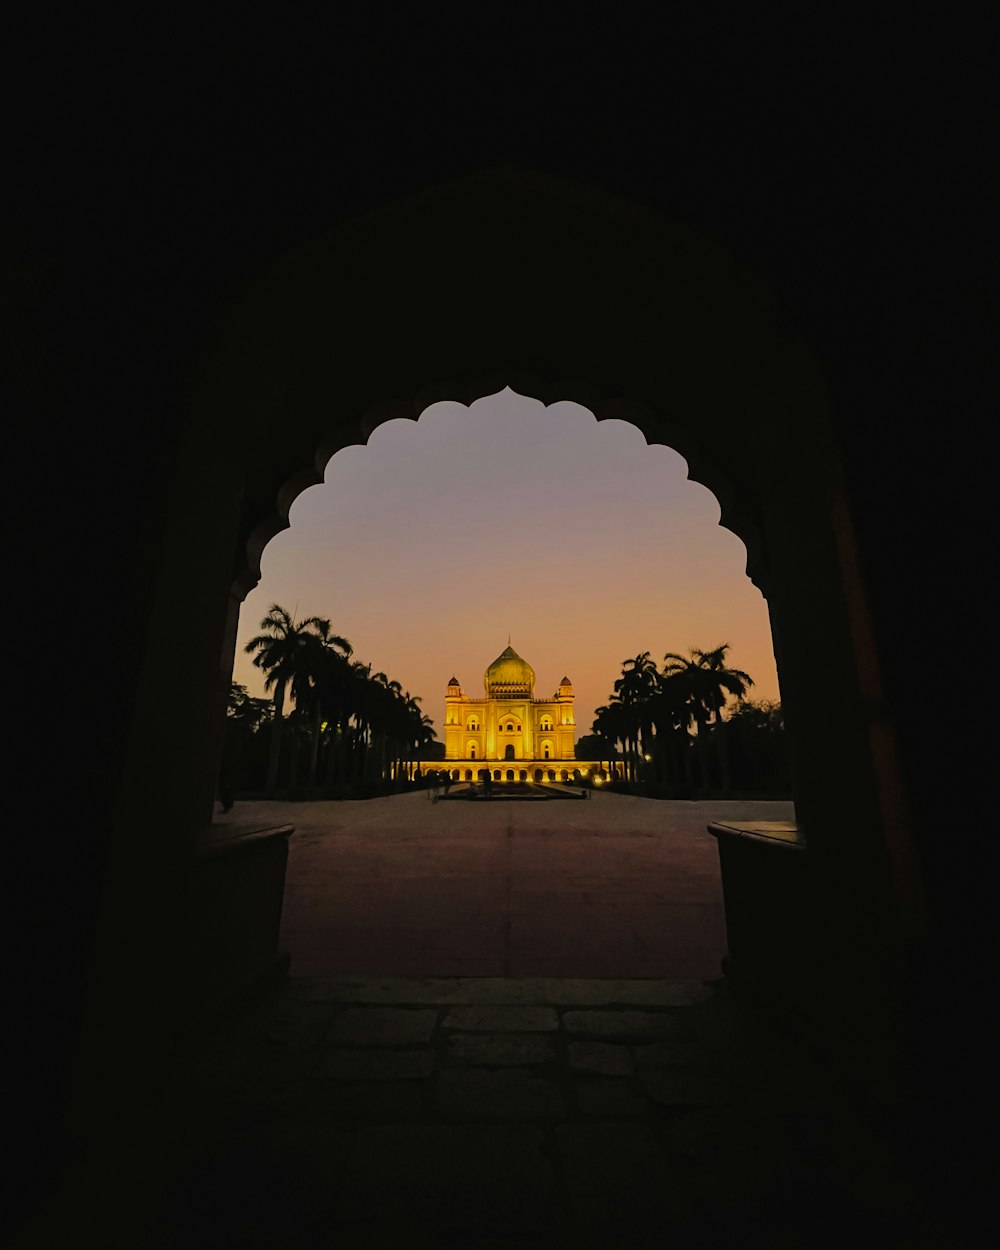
613	887
453	1113
544	1107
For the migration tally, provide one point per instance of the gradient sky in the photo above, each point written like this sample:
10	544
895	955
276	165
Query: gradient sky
431	544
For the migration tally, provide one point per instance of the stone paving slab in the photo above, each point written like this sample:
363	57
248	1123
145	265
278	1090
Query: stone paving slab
675	1052
495	1019
631	1026
500	1137
506	1094
382	1026
499	1049
601	1059
612	1098
554	991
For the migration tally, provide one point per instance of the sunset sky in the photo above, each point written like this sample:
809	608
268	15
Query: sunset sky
431	544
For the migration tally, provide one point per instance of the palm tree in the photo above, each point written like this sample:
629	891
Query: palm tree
708	683
413	728
245	717
322	653
384	695
634	690
611	723
279	653
671	715
362	697
424	733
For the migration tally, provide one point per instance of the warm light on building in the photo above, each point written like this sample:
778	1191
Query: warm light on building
509	724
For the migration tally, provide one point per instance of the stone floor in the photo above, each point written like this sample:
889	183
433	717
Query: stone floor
495	1112
615	886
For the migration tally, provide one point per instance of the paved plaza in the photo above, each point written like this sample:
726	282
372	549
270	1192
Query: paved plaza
614	886
505	1028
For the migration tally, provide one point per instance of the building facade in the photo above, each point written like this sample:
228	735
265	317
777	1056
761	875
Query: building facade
508	723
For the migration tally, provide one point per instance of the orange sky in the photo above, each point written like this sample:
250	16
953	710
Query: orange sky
431	544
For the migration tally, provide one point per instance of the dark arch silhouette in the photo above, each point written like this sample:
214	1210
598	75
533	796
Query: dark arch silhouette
575	295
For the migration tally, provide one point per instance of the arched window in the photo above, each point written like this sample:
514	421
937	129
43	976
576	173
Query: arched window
472	750
510	774
546	723
510	727
508	753
473	724
546	752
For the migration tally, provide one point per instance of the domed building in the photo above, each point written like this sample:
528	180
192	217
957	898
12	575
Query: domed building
508	725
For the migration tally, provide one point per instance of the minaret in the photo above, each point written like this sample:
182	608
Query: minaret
566	729
453	698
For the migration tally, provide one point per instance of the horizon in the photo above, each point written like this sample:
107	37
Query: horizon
437	540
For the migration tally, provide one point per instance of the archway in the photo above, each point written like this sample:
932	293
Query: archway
666	333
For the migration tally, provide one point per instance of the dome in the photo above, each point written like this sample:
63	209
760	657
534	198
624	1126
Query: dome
509	676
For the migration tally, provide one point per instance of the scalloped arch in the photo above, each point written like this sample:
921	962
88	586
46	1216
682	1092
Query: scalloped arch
654	430
510	279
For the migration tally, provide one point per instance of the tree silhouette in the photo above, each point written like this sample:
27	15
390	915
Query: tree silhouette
634	690
280	651
322	653
707	683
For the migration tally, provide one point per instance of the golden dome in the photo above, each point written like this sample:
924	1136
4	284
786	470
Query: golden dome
509	676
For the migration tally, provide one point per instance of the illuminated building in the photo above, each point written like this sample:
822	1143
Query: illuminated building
508	726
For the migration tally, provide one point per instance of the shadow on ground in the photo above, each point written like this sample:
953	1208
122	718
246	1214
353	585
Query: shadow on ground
494	1112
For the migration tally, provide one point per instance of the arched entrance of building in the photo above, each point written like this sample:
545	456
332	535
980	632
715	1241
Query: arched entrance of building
508	752
651	325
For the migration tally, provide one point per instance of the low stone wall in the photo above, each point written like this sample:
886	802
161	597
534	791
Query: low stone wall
232	915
